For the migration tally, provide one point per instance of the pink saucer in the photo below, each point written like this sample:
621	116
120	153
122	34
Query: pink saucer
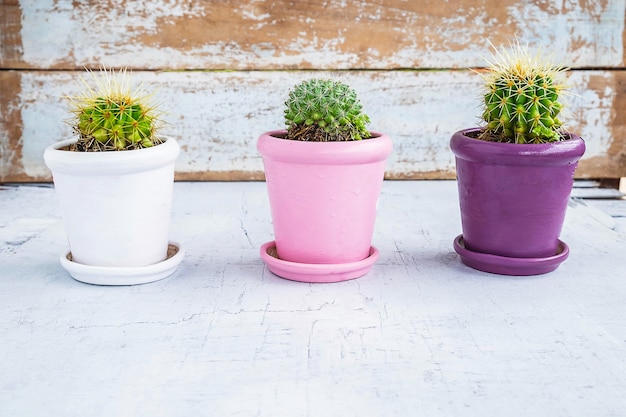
316	272
510	266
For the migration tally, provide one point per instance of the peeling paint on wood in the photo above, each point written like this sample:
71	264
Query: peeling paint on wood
601	104
11	126
217	117
263	34
10	31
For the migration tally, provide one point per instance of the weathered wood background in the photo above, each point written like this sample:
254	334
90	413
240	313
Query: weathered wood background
222	70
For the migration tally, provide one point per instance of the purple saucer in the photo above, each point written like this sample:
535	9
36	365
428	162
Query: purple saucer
510	266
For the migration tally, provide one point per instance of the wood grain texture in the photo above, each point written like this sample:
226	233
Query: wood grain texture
223	69
217	117
373	34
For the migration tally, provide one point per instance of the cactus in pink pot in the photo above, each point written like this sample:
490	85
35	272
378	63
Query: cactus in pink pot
324	174
324	110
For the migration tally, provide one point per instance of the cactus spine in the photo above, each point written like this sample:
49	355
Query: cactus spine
108	115
325	110
521	104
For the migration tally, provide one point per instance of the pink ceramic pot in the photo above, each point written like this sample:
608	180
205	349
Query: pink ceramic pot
323	196
513	197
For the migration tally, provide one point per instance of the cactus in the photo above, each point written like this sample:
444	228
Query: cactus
324	110
108	115
521	104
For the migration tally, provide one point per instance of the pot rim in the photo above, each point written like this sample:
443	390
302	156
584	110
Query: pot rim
496	153
375	149
110	162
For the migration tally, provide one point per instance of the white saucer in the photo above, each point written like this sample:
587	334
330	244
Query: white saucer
112	275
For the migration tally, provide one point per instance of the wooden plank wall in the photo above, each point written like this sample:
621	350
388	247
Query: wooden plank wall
222	70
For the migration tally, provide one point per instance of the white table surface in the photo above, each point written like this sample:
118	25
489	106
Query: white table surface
420	335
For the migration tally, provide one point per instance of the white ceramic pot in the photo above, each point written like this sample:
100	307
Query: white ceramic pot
115	205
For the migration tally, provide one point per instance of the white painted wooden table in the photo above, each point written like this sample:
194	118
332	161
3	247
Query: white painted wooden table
420	335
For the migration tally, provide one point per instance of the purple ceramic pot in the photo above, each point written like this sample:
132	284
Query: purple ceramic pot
513	197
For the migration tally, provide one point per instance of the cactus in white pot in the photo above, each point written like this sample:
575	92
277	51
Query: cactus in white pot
109	115
115	181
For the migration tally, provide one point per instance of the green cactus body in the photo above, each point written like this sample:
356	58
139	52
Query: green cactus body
325	110
110	116
521	104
